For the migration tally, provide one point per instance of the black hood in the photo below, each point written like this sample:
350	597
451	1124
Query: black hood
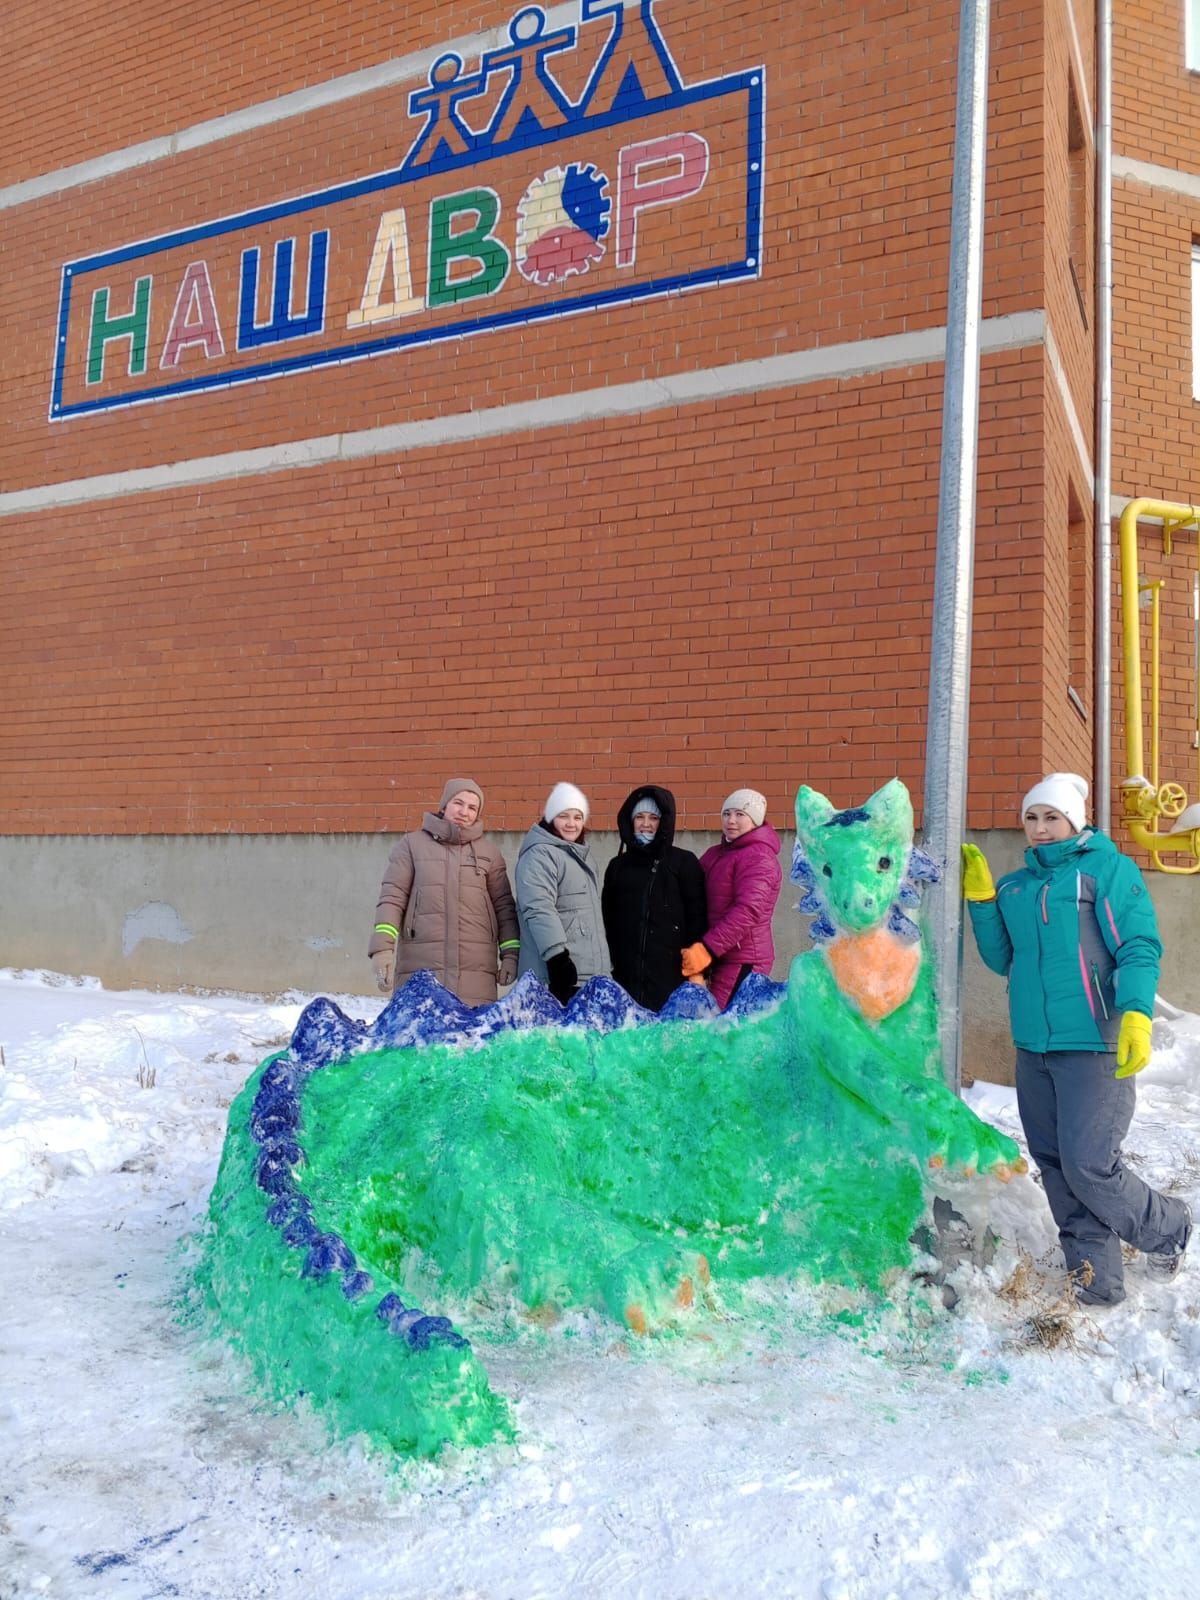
665	802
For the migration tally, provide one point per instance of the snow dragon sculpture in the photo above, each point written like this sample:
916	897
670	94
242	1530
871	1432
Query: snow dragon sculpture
519	1164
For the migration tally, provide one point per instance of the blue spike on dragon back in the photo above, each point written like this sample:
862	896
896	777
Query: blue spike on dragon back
520	1166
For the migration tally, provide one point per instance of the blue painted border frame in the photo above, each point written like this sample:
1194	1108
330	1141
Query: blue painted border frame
752	82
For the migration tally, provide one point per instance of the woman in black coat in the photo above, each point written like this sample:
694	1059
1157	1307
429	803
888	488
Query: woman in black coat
653	899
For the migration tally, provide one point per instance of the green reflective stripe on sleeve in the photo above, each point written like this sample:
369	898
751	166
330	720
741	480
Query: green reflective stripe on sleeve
511	944
386	927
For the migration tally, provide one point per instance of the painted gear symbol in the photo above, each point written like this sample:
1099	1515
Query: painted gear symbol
562	222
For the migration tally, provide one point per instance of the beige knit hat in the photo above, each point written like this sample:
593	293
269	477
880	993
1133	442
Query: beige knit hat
749	801
459	786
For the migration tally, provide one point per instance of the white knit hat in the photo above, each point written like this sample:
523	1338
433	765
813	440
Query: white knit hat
1065	791
749	801
565	797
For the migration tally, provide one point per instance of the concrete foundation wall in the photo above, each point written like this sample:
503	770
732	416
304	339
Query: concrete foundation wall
265	913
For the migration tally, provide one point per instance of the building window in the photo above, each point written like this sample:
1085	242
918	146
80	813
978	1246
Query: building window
1077	200
1195	320
1191	34
1079	607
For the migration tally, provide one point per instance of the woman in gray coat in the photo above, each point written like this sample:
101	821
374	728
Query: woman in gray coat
558	897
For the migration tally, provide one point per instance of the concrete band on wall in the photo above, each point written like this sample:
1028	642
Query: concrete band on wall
270	913
860	358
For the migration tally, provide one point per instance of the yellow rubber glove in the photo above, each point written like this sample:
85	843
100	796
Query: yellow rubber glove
695	958
976	875
1133	1044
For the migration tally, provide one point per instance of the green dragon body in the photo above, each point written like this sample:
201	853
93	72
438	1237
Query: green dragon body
649	1173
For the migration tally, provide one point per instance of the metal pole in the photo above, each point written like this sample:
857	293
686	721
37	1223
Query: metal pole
950	653
1102	511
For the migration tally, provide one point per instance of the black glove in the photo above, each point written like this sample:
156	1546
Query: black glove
561	976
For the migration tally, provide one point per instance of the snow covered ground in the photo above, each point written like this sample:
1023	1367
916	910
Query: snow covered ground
953	1455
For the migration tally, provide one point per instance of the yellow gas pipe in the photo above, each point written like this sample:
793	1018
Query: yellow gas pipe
1146	800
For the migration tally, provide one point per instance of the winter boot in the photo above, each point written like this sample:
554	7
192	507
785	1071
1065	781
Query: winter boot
1165	1264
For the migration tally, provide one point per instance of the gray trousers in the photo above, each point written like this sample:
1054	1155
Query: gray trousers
1075	1115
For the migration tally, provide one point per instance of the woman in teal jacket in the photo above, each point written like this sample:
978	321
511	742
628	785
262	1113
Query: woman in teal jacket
1074	932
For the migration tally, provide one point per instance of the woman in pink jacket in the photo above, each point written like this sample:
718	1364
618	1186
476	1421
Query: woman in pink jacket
743	877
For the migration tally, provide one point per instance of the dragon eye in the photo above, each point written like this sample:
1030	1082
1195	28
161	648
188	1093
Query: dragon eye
827	870
884	863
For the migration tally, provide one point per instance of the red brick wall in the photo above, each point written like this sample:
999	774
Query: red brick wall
99	75
1067	398
1156	419
312	654
1156	422
1155	96
1156	437
735	591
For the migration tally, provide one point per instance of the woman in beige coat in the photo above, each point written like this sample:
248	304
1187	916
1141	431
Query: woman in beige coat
445	904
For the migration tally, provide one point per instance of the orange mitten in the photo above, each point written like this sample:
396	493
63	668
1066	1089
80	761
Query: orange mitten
695	958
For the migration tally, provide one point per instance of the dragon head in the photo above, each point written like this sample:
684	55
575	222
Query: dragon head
858	867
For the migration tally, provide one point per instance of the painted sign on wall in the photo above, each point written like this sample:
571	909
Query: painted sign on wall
572	169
